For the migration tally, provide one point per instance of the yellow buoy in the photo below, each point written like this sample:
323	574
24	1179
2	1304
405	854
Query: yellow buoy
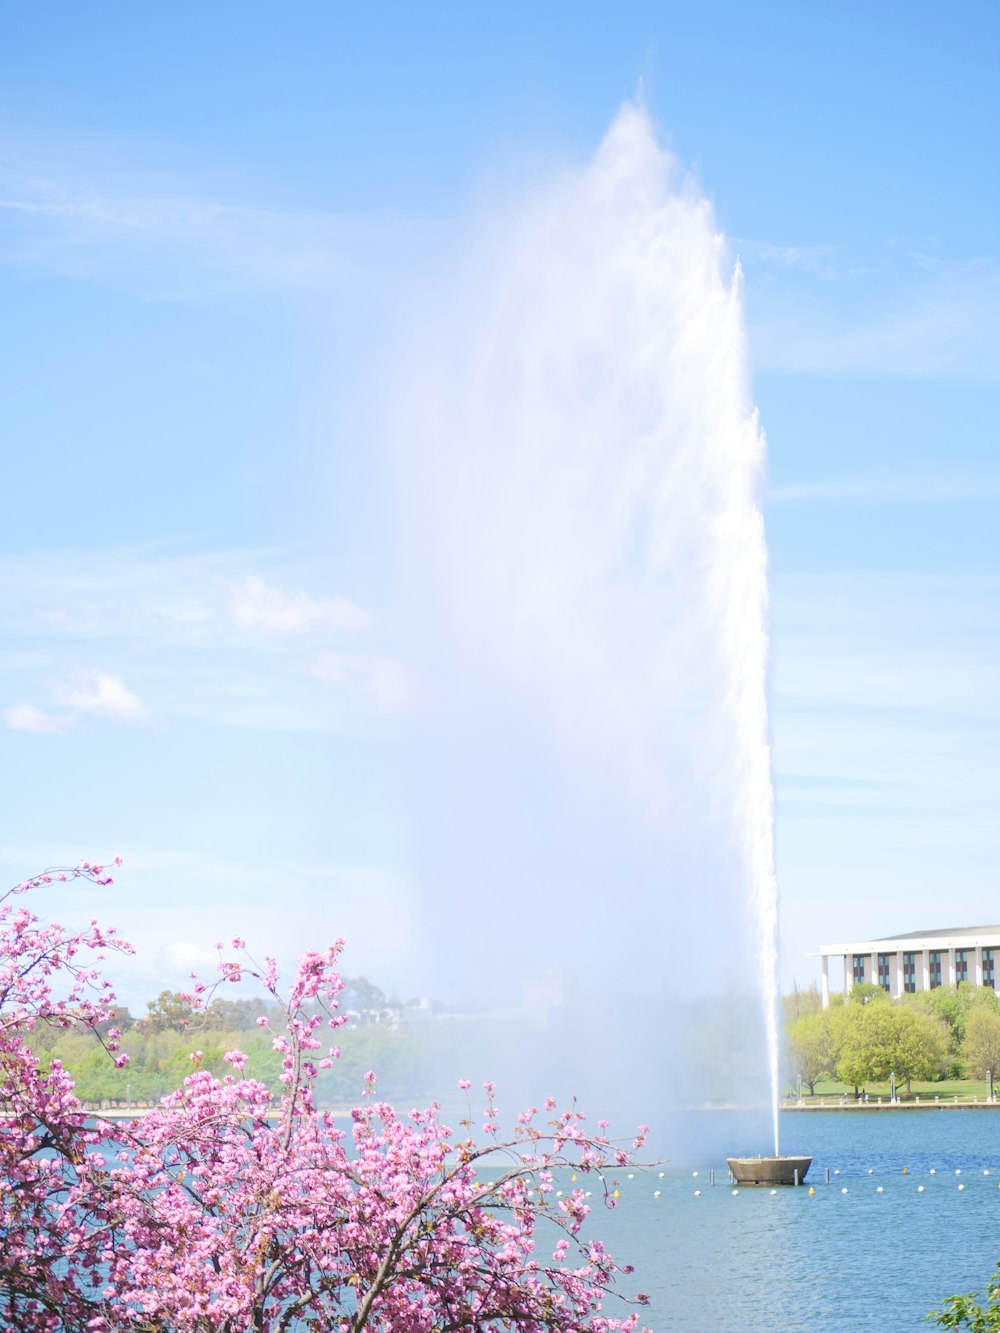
812	1191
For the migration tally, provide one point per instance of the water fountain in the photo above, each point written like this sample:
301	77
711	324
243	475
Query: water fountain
580	463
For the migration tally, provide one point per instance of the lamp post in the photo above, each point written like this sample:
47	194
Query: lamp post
892	1088
989	1085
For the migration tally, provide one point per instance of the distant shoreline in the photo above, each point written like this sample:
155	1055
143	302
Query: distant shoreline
852	1105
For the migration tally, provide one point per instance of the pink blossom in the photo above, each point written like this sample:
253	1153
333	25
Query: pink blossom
230	1207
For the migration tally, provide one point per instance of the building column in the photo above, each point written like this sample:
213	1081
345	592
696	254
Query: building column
825	981
977	964
847	975
951	968
899	974
873	964
925	970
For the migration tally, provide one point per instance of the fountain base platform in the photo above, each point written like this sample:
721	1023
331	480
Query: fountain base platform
769	1170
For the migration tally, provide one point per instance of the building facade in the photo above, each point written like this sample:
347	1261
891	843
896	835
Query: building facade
921	960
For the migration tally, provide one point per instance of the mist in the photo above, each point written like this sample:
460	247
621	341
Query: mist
581	583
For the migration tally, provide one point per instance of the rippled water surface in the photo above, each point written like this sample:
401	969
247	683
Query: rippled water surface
831	1260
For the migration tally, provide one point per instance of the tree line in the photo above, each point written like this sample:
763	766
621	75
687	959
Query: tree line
865	1037
176	1037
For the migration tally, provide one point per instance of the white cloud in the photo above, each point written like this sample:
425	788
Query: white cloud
27	717
194	637
107	696
892	315
75	211
182	957
259	606
892	487
809	258
384	681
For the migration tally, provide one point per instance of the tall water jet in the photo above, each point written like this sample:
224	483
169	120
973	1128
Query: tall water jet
583	560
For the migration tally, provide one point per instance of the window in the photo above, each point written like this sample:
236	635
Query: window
910	973
884	972
989	969
935	959
961	965
859	969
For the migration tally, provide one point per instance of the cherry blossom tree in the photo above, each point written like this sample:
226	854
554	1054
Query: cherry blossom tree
228	1208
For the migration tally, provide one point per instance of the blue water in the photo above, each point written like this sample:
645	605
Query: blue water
832	1261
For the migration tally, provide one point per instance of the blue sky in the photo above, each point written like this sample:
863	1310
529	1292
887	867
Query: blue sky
217	227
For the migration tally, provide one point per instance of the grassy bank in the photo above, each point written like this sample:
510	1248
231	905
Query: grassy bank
948	1089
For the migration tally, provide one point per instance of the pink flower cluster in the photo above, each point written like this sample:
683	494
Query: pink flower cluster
226	1209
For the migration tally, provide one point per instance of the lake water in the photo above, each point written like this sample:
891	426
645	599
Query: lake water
834	1261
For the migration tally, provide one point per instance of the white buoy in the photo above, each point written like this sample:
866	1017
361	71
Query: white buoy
774	1191
656	1194
735	1192
878	1189
662	1174
933	1171
958	1170
844	1190
631	1175
920	1189
986	1171
697	1194
961	1187
836	1171
695	1174
871	1171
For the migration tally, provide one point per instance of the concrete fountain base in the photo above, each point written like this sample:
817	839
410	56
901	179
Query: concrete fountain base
769	1170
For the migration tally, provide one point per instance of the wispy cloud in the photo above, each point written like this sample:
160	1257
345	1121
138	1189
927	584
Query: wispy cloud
175	238
91	693
818	259
258	606
195	637
28	717
886	718
822	311
174	903
107	696
887	487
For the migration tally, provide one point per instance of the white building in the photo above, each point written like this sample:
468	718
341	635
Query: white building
920	960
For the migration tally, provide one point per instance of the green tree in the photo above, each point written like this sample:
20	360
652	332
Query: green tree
883	1038
954	1005
967	1312
812	1047
801	1003
865	992
233	1015
364	998
170	1012
981	1046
